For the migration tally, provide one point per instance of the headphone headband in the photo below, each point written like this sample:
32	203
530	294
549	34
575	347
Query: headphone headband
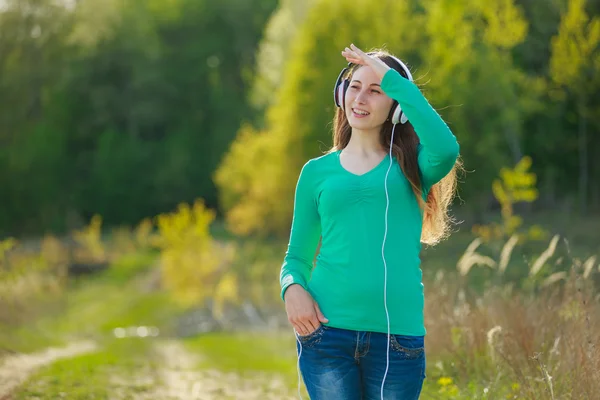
404	68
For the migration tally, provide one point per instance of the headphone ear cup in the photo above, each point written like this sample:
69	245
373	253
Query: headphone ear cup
397	116
339	89
395	113
337	95
344	89
403	119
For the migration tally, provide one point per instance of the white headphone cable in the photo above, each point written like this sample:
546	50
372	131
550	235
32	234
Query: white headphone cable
387	198
384	282
298	364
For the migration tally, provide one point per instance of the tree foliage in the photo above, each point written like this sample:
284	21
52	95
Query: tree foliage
126	109
118	108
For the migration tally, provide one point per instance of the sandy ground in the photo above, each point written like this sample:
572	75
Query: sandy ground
15	369
179	378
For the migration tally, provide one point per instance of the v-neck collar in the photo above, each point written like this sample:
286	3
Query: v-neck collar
376	167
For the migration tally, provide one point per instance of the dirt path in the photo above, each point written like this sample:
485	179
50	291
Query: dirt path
180	378
174	374
15	369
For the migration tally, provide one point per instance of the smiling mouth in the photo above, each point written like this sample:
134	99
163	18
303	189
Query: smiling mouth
360	113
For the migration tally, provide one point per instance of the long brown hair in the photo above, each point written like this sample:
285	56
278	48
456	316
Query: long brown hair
436	220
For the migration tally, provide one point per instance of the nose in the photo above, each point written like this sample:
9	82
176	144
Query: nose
360	97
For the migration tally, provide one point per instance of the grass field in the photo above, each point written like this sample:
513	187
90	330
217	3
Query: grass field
490	336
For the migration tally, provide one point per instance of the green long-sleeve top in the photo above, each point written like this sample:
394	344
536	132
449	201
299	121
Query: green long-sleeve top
347	212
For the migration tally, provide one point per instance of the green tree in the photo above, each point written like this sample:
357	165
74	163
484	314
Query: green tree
123	108
485	94
33	48
574	66
274	51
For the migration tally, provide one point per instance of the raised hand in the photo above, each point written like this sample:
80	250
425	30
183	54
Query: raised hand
356	56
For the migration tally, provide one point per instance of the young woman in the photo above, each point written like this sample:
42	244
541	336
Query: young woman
358	315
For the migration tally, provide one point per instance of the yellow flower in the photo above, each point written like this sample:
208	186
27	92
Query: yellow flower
445	381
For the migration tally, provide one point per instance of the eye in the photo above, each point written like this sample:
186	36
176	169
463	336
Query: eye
375	91
353	87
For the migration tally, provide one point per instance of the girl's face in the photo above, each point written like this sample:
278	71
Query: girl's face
367	106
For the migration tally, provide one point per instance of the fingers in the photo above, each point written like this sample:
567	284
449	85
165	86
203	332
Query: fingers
312	324
301	328
302	313
357	50
354	60
350	54
350	58
306	325
354	55
320	315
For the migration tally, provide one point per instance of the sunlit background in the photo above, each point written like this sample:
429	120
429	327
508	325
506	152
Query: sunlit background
149	151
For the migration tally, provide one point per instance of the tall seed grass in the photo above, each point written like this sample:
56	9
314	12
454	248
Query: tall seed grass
522	344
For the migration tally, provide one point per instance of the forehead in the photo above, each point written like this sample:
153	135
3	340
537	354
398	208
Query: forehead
366	75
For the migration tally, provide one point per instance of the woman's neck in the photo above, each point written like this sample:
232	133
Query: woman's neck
366	143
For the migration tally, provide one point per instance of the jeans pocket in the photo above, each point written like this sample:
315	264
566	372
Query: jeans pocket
408	347
312	338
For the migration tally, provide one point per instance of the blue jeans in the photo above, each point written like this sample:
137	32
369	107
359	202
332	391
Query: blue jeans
340	364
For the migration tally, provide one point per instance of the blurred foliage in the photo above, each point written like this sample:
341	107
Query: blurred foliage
574	67
126	109
515	185
121	109
274	51
35	274
90	240
194	267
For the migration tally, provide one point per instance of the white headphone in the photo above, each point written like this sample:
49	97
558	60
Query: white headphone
342	84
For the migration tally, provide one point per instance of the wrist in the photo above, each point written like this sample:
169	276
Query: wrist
291	289
380	68
291	279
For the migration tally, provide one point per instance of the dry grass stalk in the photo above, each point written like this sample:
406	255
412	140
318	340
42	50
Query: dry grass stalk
471	258
588	266
506	253
544	257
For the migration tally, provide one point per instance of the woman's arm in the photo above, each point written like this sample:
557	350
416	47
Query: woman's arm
305	233
439	148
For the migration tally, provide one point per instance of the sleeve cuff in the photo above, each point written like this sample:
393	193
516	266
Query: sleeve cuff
289	280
